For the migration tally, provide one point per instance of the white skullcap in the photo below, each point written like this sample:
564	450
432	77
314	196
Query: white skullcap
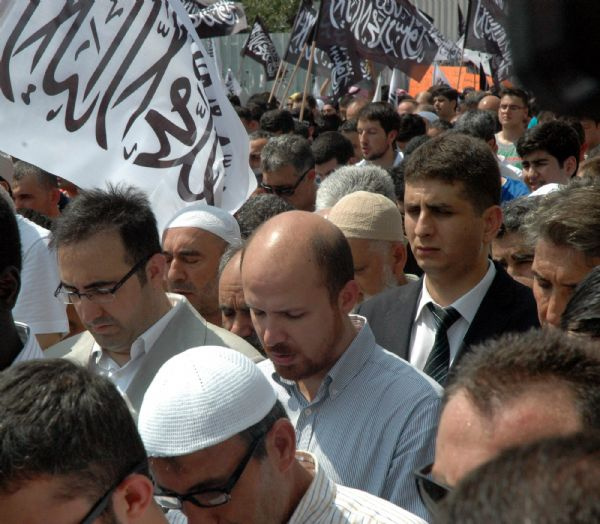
212	219
201	398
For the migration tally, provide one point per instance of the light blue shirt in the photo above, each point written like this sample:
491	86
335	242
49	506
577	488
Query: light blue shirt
372	422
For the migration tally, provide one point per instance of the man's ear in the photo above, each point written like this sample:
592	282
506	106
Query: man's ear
281	444
570	166
391	136
311	175
55	196
348	296
156	269
10	284
492	217
133	499
399	256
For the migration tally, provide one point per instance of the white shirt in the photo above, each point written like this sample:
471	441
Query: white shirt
31	349
424	327
36	304
122	376
397	160
508	170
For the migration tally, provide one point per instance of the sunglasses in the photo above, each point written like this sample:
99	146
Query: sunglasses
431	491
284	190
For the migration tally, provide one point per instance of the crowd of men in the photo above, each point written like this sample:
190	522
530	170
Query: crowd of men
400	325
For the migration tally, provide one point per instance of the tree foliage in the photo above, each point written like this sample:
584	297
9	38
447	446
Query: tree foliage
278	15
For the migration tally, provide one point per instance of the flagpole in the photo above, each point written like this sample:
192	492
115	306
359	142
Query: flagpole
277	79
308	73
293	75
283	73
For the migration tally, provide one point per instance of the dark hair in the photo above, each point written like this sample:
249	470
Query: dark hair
410	126
576	125
256	111
262	427
447	92
243	112
498	371
453	158
332	144
397	174
443	125
413	143
277	121
257	210
23	169
477	123
59	419
556	138
569	217
329	123
514	213
554	481
516	93
383	113
123	209
334	259
582	313
234	100
10	246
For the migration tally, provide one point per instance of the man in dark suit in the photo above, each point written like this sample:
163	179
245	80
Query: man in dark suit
452	210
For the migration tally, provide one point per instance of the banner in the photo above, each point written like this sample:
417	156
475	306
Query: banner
99	92
393	33
220	18
487	32
261	48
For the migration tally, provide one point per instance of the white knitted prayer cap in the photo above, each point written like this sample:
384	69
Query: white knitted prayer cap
212	219
201	398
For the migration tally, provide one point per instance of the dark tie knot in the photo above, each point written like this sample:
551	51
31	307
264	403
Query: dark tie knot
444	317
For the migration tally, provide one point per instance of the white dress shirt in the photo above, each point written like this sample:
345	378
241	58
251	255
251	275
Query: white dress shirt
31	349
122	376
424	327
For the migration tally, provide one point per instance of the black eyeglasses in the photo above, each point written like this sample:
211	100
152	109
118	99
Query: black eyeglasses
207	497
98	295
285	190
101	505
430	491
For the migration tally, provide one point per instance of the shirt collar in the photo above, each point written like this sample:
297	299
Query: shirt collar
346	367
468	304
148	338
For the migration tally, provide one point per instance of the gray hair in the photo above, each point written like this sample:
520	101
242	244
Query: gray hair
226	257
568	217
286	150
478	124
349	179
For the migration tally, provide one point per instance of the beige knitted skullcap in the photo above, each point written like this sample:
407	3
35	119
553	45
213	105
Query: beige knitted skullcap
368	215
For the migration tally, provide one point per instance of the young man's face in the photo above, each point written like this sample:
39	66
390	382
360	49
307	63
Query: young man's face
512	111
445	108
374	141
541	168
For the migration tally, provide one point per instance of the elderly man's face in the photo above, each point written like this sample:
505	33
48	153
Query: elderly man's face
556	272
193	256
30	194
235	314
285	182
515	255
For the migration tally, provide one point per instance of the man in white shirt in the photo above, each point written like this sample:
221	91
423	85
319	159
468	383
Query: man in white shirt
112	269
223	450
17	343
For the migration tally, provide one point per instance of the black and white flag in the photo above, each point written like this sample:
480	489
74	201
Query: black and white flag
105	92
261	48
220	18
487	32
394	33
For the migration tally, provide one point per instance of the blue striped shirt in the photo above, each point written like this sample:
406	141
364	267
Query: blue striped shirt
372	422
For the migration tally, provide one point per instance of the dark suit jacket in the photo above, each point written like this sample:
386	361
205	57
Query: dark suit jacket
507	306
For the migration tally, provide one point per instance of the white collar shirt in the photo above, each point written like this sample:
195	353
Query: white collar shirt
424	327
122	376
31	349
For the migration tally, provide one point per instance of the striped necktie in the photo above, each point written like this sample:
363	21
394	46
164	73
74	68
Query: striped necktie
438	362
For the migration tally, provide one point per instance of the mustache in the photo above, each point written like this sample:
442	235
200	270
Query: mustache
100	322
281	348
181	286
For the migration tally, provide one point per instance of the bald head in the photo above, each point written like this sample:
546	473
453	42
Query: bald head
489	103
288	242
